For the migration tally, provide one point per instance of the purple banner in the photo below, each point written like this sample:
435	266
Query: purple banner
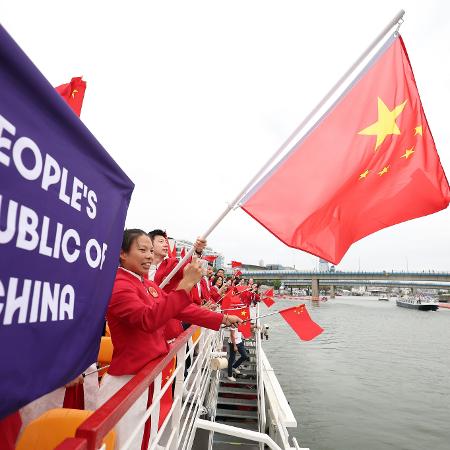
63	203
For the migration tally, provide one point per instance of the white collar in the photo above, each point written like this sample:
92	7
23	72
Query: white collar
132	273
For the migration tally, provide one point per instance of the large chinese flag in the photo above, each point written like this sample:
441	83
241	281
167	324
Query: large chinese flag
300	321
368	164
73	93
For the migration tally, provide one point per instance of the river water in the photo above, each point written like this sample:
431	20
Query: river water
377	378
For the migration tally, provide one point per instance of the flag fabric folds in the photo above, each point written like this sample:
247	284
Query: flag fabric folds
267	298
66	203
241	289
210	258
73	93
268	301
299	320
369	163
235	264
230	300
243	313
246	327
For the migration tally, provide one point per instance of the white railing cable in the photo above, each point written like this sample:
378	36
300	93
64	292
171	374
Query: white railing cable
260	377
176	411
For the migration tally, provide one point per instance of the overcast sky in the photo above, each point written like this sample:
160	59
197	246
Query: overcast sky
191	98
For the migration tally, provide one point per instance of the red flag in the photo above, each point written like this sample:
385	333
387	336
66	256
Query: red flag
268	301
300	321
244	328
73	93
210	258
369	163
237	273
183	253
235	264
267	298
241	289
226	301
243	313
230	300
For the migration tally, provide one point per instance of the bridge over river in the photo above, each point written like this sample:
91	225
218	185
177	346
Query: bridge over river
297	278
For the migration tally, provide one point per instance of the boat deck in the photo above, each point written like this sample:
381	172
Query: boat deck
237	405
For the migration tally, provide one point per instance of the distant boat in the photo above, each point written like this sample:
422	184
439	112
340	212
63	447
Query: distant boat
420	303
384	298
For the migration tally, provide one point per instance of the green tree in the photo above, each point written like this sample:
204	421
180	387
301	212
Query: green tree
276	284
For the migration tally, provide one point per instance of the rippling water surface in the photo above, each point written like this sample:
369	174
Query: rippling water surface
377	378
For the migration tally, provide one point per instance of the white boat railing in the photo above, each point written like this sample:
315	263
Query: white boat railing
178	428
259	378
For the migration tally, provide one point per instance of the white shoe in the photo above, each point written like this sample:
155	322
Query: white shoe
231	379
237	371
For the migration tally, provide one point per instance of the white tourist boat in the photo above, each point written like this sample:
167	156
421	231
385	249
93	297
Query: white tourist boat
421	303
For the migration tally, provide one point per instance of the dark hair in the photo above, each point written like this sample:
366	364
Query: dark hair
216	278
129	236
157	232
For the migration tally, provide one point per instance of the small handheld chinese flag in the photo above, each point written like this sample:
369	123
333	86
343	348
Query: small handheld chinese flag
244	328
300	321
241	289
210	258
237	273
73	93
230	300
368	164
235	264
183	253
267	298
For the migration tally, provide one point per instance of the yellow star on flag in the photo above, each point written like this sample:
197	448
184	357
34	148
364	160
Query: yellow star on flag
243	313
385	125
74	92
385	170
408	153
363	175
418	130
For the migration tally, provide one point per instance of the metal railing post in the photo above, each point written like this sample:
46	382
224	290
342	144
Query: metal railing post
156	411
178	393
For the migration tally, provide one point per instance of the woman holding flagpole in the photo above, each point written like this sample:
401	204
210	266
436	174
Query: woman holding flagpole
137	314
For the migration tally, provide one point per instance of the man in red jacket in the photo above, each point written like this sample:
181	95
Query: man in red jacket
162	265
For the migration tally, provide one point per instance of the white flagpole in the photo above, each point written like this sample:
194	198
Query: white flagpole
264	315
396	20
94	371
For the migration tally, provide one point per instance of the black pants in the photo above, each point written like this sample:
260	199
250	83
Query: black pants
232	356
